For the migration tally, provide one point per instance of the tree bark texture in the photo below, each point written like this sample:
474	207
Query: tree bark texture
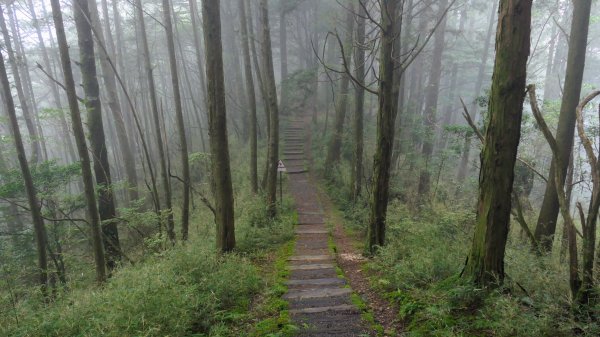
271	91
106	201
386	116
217	123
185	164
84	157
431	103
359	105
335	143
485	264
546	224
36	155
41	237
114	103
164	172
466	152
251	98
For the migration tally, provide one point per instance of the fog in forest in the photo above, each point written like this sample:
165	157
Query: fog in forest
299	167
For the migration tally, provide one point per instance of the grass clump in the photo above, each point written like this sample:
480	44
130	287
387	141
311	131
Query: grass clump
272	312
187	291
419	270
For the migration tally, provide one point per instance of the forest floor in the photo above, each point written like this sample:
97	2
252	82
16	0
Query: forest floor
349	256
327	264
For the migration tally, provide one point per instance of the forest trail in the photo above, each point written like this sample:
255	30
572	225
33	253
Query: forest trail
319	301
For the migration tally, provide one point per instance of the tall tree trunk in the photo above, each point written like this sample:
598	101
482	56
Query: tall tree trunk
431	103
450	108
119	56
84	157
217	120
257	67
21	56
251	98
386	117
546	224
359	105
552	86
106	200
164	172
550	60
114	104
262	84
451	98
185	164
335	143
34	205
466	152
316	65
53	87
36	155
416	92
271	91
485	264
199	61
283	53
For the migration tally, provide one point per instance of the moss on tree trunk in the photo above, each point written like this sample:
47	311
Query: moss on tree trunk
485	264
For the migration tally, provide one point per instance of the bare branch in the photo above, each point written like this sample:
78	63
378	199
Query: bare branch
346	71
518	214
39	66
467	117
585	140
410	59
471	123
581	215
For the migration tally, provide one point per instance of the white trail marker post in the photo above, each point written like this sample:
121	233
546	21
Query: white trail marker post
281	168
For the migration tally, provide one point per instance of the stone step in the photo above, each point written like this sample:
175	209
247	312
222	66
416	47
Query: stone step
312	274
317	293
309	258
314	266
312	247
316	282
304	263
312	231
311	212
309	209
319	301
310	243
312	226
311	237
342	307
304	220
296	171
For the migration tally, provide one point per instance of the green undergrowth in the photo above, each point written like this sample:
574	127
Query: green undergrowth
418	271
188	290
272	312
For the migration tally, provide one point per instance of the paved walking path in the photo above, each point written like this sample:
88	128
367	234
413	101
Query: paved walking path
319	301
